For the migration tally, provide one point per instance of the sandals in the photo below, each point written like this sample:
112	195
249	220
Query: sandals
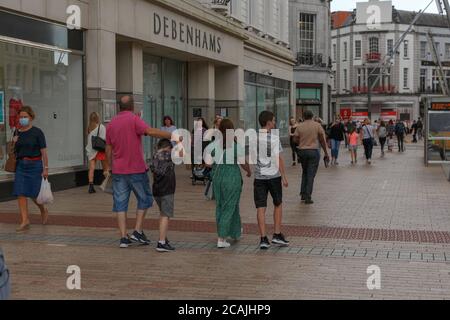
23	228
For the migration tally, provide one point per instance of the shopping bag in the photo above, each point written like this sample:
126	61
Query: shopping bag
45	195
209	191
107	185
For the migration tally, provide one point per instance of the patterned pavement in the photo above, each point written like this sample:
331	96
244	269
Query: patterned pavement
393	214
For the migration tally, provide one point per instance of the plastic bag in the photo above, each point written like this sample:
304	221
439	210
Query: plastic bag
45	195
107	185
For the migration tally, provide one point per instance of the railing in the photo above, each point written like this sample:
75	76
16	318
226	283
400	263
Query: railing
310	59
220	5
373	57
379	89
430	90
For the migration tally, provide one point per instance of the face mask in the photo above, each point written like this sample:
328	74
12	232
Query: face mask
24	122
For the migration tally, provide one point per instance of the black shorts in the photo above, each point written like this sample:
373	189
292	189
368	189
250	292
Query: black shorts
262	189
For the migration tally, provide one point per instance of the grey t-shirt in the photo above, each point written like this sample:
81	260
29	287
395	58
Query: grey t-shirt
268	166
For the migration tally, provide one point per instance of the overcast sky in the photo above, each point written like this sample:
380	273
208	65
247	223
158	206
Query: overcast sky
410	5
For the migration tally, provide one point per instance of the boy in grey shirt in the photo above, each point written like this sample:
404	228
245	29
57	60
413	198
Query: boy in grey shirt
269	177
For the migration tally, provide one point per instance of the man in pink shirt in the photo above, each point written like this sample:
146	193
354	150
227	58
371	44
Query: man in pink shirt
126	155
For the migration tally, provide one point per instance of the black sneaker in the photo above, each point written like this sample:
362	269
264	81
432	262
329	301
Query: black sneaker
125	243
140	238
164	247
264	244
280	240
309	201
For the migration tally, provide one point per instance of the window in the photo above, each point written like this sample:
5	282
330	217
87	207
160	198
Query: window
447	51
358	49
54	88
373	45
405	78
345	79
345	51
335	80
437	45
306	41
361	78
436	85
334	52
390	46
423	49
405	49
423	80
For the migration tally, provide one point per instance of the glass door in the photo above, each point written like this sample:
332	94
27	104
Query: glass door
173	76
164	94
153	105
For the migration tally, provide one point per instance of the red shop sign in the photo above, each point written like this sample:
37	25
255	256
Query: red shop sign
346	113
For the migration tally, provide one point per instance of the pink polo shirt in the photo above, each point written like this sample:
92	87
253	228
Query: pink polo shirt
124	134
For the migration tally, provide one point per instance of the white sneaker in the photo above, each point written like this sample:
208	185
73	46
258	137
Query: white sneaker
223	244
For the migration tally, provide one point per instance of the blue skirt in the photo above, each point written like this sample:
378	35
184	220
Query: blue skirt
28	179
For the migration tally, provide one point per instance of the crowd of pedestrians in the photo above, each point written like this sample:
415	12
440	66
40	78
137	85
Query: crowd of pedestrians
119	149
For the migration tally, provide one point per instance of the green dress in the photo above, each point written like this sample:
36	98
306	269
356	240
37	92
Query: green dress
227	184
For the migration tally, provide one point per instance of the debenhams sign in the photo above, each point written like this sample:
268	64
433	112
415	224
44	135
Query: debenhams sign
185	33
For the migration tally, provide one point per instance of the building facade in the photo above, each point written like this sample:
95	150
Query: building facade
310	40
185	59
358	48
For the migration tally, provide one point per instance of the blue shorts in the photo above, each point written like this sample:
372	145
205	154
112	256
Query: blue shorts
124	184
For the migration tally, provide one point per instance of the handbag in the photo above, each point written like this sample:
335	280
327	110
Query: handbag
98	144
11	162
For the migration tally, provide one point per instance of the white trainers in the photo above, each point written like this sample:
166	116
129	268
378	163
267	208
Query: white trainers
223	244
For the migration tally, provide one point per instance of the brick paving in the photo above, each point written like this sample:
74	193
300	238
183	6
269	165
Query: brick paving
393	214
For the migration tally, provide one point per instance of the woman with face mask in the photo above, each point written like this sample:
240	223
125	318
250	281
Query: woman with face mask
32	165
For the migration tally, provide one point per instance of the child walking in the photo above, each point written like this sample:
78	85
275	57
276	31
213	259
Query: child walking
270	177
164	185
353	138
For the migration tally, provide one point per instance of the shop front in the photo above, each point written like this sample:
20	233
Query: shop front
309	97
266	93
41	65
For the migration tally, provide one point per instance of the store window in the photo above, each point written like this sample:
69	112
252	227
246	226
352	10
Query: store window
51	82
266	93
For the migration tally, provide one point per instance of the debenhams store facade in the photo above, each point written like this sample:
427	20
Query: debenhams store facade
176	57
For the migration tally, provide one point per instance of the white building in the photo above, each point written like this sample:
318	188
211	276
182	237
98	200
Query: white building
310	39
358	47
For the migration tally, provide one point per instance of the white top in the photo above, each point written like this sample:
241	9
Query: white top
91	153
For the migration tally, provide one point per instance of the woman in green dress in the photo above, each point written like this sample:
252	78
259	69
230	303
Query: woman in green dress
227	185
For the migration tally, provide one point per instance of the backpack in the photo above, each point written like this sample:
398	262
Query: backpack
400	128
4	279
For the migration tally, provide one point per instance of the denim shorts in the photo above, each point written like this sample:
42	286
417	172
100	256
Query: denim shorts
124	184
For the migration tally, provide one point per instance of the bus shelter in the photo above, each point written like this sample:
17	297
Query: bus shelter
437	132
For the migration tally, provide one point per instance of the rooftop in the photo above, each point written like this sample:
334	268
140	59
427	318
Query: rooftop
398	16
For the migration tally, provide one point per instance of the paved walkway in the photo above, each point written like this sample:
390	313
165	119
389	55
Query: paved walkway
393	214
